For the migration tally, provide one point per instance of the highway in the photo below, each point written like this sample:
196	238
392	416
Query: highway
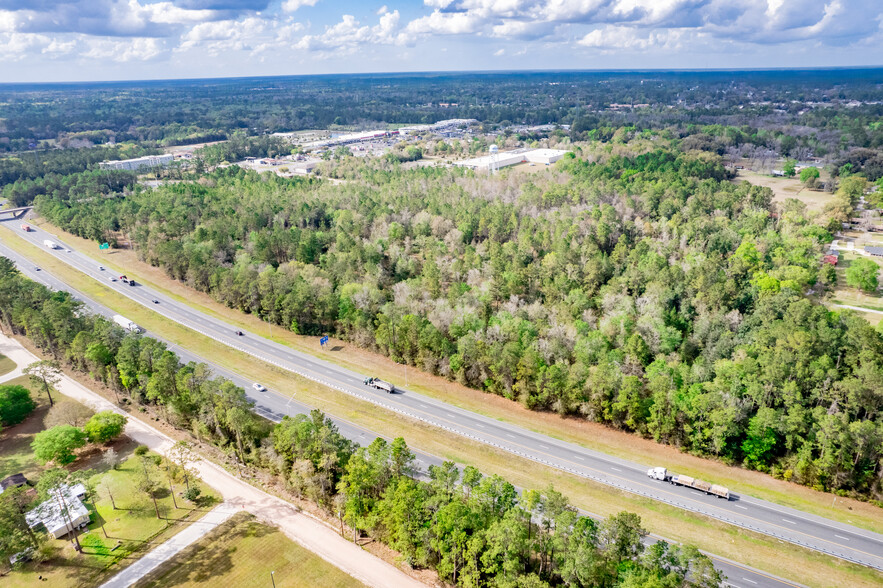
274	405
830	537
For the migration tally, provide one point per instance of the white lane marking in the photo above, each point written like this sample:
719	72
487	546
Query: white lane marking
747	580
740	506
423	405
450	415
510	435
480	425
842	537
543	446
615	469
789	522
580	458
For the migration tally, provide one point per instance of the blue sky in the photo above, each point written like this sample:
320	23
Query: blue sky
73	40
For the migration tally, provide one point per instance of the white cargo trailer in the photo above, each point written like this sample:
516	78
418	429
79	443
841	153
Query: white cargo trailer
126	323
50	244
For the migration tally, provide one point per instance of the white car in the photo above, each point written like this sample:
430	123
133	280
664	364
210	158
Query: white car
101	268
67	250
258	387
112	279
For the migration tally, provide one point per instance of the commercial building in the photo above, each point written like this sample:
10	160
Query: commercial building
508	158
139	163
63	512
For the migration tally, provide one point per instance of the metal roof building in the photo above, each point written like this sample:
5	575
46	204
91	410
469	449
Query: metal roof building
62	513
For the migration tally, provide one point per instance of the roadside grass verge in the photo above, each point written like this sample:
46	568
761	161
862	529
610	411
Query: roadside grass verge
6	366
243	552
591	435
776	557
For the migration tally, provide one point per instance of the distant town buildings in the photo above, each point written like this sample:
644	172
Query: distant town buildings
63	512
514	157
139	163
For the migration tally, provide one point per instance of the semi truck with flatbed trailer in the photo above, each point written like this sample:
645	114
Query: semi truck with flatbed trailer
126	323
664	475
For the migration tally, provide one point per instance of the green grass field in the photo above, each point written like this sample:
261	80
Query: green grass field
6	365
243	552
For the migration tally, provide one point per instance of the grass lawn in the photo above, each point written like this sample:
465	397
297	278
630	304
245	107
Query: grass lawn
785	188
6	365
763	552
130	526
243	552
845	294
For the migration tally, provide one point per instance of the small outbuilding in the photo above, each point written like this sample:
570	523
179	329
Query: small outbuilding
875	251
13	481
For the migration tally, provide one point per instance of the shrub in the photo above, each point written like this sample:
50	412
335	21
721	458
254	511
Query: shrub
105	426
57	444
192	494
141	450
15	404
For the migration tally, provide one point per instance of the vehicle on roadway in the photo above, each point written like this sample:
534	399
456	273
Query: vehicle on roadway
240	333
664	475
26	228
68	251
124	278
259	387
126	323
380	385
101	268
36	269
112	279
50	244
155	301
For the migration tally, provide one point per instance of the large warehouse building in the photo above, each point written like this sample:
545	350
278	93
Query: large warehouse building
508	158
139	163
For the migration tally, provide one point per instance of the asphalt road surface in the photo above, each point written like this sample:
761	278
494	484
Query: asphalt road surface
787	524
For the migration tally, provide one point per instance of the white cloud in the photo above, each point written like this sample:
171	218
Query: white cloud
293	5
499	52
349	34
629	38
382	10
136	49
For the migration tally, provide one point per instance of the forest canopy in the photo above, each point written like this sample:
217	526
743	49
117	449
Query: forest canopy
638	287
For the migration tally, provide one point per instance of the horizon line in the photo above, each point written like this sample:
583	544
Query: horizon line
424	73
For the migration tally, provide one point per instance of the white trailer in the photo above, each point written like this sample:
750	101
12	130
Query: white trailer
126	323
50	244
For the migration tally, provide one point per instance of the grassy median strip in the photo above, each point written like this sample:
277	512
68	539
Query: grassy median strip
574	430
777	557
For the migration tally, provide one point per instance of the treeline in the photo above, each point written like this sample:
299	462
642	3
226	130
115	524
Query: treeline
643	290
70	187
178	112
36	164
476	531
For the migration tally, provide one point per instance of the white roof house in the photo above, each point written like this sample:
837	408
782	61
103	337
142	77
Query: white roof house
63	512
